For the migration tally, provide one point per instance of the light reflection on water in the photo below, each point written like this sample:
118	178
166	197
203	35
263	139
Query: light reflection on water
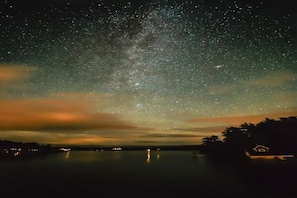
175	173
148	156
67	155
95	156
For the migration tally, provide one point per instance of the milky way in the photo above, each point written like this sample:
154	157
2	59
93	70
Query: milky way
161	72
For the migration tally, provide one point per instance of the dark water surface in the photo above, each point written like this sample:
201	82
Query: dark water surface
135	174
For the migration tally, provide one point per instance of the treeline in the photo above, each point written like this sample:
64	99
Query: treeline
20	150
6	144
279	135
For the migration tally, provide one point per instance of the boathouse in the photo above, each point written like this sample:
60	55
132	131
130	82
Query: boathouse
264	152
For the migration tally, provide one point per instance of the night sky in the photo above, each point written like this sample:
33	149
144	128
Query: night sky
109	72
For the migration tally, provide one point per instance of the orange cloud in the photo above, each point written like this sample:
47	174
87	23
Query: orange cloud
13	77
273	80
10	73
173	135
54	115
83	140
237	120
58	138
205	130
288	97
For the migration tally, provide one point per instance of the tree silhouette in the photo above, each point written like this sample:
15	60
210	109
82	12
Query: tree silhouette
210	140
280	135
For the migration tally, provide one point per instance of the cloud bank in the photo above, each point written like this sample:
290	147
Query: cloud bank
54	115
237	120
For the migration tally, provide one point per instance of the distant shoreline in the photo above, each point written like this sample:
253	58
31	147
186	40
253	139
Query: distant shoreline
135	148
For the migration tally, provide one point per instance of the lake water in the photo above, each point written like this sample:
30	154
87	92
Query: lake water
137	174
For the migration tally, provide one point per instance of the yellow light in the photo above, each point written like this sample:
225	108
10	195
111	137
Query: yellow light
148	155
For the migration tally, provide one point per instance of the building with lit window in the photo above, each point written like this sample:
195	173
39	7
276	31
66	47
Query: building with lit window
264	152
